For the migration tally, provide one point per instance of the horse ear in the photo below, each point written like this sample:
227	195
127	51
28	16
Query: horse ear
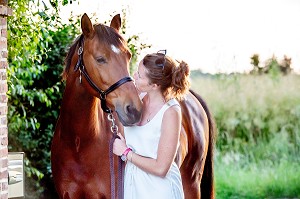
87	26
116	22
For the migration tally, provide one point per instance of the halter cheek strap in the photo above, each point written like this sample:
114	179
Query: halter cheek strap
102	93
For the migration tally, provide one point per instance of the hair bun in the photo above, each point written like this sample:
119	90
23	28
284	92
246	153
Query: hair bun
180	80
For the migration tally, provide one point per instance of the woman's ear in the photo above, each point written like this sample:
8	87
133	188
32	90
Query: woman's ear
154	86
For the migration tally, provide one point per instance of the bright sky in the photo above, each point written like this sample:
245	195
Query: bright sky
212	35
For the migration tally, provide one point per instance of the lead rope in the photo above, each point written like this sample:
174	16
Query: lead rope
114	130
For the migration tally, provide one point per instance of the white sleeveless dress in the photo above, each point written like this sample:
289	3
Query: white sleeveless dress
144	140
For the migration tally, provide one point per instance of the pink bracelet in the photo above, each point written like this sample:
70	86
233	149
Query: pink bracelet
127	151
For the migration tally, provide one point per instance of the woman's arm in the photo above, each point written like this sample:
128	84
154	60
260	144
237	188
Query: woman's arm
167	147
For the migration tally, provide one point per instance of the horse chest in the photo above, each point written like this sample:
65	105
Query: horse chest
81	156
86	169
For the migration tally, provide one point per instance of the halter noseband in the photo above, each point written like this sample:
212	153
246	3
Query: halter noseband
102	93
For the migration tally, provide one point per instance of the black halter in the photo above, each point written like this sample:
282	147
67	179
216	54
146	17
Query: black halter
102	93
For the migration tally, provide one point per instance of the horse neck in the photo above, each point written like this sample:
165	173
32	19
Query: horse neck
80	112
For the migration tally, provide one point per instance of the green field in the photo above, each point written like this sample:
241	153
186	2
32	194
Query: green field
258	142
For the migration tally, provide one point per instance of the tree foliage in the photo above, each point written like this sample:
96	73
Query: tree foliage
271	66
37	43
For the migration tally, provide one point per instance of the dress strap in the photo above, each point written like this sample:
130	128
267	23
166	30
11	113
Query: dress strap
172	102
168	104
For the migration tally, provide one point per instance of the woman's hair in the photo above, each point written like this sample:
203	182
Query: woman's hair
172	76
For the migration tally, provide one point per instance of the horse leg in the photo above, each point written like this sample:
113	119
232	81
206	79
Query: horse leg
192	169
95	196
191	186
72	195
69	191
66	195
191	190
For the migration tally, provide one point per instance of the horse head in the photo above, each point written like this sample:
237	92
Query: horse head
103	59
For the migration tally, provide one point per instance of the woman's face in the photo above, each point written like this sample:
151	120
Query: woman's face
141	79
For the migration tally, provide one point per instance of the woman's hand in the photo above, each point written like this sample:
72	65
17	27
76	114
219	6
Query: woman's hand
119	145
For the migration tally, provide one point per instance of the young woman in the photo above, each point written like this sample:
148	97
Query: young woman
151	146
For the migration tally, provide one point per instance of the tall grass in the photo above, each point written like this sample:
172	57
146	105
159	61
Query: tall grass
257	181
258	142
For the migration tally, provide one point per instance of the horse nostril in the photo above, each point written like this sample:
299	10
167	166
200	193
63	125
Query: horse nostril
130	115
130	110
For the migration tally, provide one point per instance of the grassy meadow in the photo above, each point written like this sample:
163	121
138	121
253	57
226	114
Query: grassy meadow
258	143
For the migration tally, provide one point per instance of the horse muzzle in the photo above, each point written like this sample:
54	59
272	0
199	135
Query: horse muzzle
129	115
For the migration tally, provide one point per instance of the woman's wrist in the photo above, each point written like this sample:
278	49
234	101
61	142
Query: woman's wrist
129	155
124	155
126	151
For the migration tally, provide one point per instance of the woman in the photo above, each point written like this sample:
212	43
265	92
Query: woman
151	146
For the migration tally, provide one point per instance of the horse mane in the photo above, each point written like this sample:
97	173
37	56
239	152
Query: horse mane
106	35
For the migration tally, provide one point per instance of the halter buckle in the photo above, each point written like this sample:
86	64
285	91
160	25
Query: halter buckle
80	50
102	95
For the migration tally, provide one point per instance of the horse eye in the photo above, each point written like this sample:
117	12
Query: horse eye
101	60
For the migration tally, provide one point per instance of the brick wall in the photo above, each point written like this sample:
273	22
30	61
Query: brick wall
4	12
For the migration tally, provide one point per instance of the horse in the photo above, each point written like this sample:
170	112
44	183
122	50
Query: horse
80	145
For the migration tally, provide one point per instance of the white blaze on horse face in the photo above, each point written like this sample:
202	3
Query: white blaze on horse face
115	49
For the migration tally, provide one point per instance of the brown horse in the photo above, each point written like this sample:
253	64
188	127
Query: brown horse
80	146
